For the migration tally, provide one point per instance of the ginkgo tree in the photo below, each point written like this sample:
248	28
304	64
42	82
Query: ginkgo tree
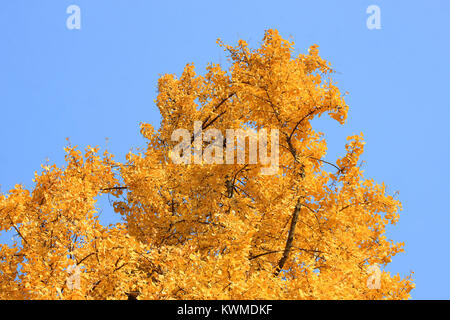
311	230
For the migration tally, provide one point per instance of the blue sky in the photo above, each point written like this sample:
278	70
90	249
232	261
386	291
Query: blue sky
100	82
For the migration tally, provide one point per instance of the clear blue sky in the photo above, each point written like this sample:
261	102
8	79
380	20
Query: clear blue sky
100	82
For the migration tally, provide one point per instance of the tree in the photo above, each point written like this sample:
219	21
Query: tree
311	230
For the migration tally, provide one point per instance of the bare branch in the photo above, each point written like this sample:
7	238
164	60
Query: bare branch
290	239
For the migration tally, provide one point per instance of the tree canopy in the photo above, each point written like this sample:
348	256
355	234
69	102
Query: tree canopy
311	230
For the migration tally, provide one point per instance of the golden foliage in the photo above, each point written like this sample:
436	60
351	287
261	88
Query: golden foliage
212	231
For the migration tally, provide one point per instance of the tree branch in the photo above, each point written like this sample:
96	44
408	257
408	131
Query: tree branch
114	188
290	239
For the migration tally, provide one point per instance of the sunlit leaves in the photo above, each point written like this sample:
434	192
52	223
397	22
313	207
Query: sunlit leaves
217	231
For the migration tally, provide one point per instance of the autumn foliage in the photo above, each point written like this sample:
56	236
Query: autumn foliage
215	231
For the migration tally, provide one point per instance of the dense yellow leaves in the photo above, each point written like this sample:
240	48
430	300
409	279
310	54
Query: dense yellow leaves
211	231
